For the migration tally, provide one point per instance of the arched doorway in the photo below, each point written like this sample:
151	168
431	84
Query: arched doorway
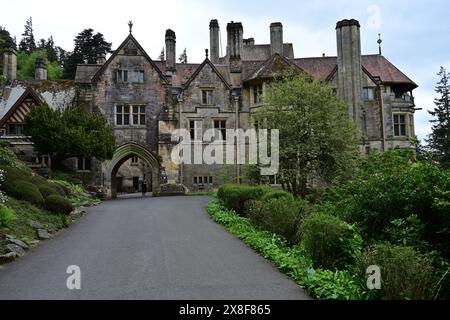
122	155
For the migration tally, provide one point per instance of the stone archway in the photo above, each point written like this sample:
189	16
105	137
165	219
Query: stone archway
122	154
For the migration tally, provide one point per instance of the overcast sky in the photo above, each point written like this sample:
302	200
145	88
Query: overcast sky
416	34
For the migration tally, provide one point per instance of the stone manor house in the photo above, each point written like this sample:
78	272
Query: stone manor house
145	100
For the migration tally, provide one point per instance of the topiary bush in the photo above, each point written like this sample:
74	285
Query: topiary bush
58	204
330	242
235	197
277	194
405	273
23	190
46	190
59	189
12	175
280	215
7	216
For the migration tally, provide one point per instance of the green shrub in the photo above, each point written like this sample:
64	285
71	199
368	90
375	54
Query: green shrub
59	189
7	216
390	188
235	197
46	190
37	179
277	194
405	273
331	243
23	190
58	204
334	285
12	175
279	215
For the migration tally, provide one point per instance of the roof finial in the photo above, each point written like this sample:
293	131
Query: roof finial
379	43
207	53
130	24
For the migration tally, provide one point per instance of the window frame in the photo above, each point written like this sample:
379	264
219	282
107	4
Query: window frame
398	125
86	164
207	97
140	115
369	94
194	130
222	128
123	115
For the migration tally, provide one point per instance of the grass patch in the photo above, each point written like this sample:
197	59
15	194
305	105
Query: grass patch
320	284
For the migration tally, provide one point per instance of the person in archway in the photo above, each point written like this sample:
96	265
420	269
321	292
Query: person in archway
144	187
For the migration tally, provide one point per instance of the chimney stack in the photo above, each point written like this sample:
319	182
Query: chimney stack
350	65
235	42
101	59
10	64
214	41
171	40
40	72
276	38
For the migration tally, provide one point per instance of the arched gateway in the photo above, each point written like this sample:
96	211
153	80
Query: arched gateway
122	154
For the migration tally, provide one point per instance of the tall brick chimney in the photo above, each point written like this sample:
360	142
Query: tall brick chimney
276	38
171	40
40	71
10	64
350	66
214	41
235	42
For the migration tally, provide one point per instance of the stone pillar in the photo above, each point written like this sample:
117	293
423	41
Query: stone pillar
235	41
350	66
214	41
40	72
170	51
276	38
10	65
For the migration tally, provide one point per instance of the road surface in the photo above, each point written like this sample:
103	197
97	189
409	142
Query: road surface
147	248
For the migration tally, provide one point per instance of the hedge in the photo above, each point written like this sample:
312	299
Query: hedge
23	190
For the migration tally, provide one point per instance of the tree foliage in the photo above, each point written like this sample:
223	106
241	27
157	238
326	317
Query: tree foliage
5	42
28	43
439	140
87	46
26	65
69	133
318	140
183	57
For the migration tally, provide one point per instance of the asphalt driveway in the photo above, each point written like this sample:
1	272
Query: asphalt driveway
152	248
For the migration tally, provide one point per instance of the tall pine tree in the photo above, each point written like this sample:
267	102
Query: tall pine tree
28	44
439	139
87	46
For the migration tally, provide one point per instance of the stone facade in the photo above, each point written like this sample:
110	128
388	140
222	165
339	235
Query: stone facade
145	100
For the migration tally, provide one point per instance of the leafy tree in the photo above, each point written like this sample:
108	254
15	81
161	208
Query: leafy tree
69	133
87	46
318	140
28	43
439	140
183	57
49	46
26	65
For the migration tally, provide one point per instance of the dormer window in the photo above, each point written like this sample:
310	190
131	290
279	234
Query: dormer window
207	97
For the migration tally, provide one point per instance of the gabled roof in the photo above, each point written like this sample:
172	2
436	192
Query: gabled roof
379	66
195	74
116	52
273	66
29	92
57	94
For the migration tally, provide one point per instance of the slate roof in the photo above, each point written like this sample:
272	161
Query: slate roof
57	94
